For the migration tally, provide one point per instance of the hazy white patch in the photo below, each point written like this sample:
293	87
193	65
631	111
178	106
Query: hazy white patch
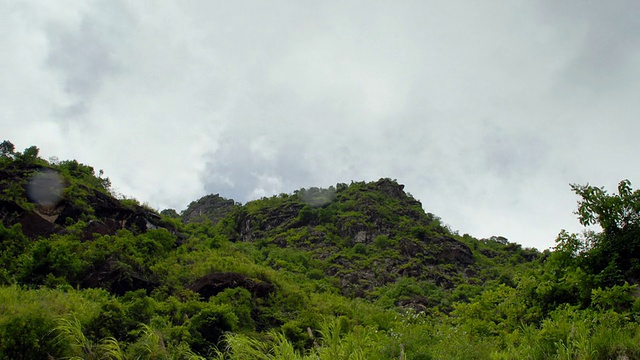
318	197
45	188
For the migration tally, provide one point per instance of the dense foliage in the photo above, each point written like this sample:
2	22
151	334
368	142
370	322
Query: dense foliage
355	271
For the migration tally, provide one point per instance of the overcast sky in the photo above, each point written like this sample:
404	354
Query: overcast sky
485	110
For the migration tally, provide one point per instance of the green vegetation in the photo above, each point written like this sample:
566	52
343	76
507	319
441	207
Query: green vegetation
355	271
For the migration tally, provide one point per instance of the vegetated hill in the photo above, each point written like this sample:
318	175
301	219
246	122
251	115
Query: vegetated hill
369	235
362	236
289	263
365	234
356	270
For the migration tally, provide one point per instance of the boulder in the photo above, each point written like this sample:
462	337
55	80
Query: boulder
118	278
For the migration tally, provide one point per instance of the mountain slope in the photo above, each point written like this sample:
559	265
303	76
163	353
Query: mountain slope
366	234
366	253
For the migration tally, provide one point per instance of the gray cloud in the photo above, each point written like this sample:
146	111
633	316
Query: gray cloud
607	37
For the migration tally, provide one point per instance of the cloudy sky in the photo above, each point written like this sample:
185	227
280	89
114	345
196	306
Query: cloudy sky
485	110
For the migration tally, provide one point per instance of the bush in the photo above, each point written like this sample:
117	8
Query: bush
382	241
209	325
29	336
360	249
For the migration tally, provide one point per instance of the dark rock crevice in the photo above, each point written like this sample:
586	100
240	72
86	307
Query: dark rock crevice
214	283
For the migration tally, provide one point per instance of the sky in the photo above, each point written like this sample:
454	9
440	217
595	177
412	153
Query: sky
486	111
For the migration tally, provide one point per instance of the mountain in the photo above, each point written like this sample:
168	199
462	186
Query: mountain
365	234
355	270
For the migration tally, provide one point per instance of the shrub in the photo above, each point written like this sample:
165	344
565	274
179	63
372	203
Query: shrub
209	325
29	336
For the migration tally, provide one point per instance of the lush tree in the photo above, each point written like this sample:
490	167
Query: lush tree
30	155
172	213
7	149
613	254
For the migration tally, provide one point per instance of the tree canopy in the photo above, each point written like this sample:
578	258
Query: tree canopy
611	255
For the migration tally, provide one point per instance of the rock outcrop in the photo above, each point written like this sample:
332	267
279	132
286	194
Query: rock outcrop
214	283
102	213
118	278
208	208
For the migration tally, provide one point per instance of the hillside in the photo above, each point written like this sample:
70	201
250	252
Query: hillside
356	270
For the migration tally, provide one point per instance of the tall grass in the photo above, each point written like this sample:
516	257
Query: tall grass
70	330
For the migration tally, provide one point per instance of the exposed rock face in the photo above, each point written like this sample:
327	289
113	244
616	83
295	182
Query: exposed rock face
391	189
438	260
33	225
108	213
256	225
111	215
208	208
212	284
455	252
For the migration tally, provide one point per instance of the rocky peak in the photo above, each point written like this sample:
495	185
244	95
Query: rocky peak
390	188
208	208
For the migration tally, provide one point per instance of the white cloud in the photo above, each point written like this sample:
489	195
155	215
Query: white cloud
485	112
